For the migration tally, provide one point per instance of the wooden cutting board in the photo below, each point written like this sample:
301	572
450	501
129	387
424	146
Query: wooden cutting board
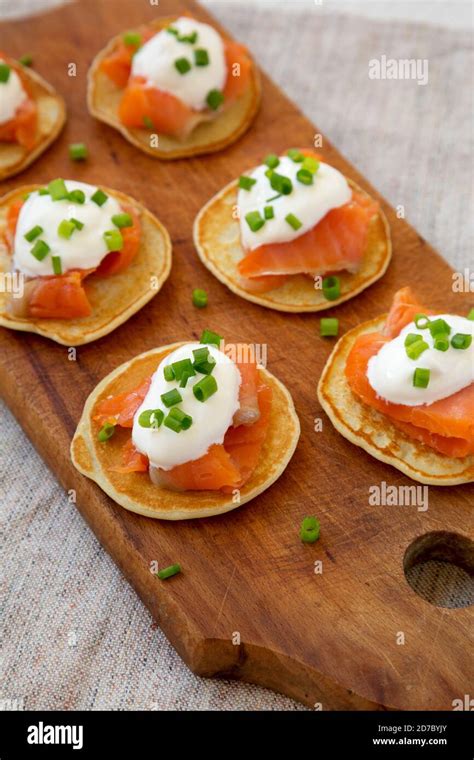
325	638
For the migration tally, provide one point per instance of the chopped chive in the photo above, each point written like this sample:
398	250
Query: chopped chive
439	326
77	196
203	362
310	530
304	176
201	354
191	38
268	212
170	398
147	122
441	342
4	73
122	220
214	99
78	151
43	191
471	314
421	321
311	164
168	373
293	221
172	30
254	220
201	57
281	184
273	198
177	415
329	327
58	190
77	224
331	287
199	298
414	350
99	197
245	183
272	161
295	155
151	418
211	337
66	228
26	60
133	39
40	250
106	432
168	572
421	377
113	240
181	368
57	265
412	338
205	388
33	233
269	173
182	65
461	340
173	424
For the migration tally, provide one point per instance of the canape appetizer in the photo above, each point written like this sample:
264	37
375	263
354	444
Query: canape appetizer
293	234
31	116
402	388
178	79
187	430
86	258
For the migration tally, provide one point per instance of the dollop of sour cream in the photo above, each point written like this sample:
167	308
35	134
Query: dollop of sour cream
155	61
211	418
12	95
86	247
390	372
309	203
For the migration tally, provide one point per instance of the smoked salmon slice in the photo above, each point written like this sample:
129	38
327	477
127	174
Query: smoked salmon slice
121	409
446	425
23	126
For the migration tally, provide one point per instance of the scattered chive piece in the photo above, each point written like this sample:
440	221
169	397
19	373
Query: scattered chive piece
414	350
201	354
201	57
214	99
181	368
439	327
254	220
168	572
281	184
57	266
268	212
170	398
205	388
106	432
441	342
245	183
273	198
113	240
199	298
310	529
177	415
66	228
421	377
412	338
168	373
293	221
295	155
329	327
77	224
191	38
43	191
421	321
182	65
272	161
304	176
173	424
133	39
311	164
122	220
40	250
269	173
77	196
471	314
58	190
33	233
4	73
151	418
99	197
78	151
211	337
203	362
26	60
461	340
147	122
331	288
172	30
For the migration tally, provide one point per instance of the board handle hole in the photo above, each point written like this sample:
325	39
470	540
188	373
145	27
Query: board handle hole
439	567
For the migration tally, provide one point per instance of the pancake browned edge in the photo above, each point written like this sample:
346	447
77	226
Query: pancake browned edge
103	98
51	118
373	431
135	491
114	298
217	240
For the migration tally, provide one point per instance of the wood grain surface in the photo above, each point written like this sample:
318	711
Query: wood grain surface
329	637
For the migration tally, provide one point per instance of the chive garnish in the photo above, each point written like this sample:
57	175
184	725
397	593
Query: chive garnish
26	60
170	398
77	224
4	73
182	368
421	377
199	298
133	39
211	337
151	418
273	198
77	196
203	363
58	190
295	155
99	197
439	326
181	418
106	432
78	151
173	424
293	221
172	30
201	354
66	228
182	65
329	327
461	340
191	38
421	321
147	122
414	350
331	287
40	250
310	530
254	220
441	342
43	191
272	161
168	572
57	265
304	176
280	183
168	373
205	388
201	57
268	212
246	183
311	164
113	240
33	233
214	99
412	338
122	220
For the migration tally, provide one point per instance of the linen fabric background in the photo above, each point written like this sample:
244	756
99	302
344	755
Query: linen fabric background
75	635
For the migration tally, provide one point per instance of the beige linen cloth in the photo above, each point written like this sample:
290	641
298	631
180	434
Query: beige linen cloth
75	635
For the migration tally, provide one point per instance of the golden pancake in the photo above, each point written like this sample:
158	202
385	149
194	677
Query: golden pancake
374	432
114	298
135	491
